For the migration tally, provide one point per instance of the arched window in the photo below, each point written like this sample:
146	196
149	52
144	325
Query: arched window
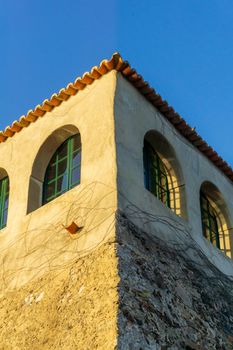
163	174
4	199
215	218
63	170
209	221
155	174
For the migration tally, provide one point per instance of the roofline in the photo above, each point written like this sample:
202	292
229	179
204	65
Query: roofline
117	63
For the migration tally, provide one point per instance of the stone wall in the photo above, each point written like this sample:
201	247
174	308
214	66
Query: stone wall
167	300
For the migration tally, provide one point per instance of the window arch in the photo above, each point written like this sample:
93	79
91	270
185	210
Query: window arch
162	173
63	170
54	143
214	216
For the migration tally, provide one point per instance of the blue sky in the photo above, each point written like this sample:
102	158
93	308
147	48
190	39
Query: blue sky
183	48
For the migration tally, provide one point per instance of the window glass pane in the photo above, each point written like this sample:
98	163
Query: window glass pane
208	234
7	185
160	195
163	195
76	142
161	166
4	195
153	180
205	220
153	186
1	189
62	183
75	177
213	238
5	206
51	172
211	210
63	170
50	190
204	203
62	167
213	224
154	163
163	181
4	218
62	151
155	174
76	159
209	221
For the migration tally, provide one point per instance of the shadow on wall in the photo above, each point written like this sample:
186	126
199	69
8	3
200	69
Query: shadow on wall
46	246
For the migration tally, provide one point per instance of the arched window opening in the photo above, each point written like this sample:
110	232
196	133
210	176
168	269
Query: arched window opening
162	173
215	224
155	174
4	199
56	167
63	171
209	221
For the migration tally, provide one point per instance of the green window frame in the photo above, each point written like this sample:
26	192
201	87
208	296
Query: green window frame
63	170
155	175
4	201
209	221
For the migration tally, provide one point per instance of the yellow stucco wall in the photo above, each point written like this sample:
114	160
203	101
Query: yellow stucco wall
73	308
35	243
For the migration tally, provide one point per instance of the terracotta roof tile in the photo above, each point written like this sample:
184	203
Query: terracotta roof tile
117	63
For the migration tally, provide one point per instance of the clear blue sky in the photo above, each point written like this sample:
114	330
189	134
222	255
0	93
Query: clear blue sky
182	47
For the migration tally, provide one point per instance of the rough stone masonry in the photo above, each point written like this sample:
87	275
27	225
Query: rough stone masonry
167	300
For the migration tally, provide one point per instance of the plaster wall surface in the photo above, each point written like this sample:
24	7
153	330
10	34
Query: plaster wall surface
134	117
37	242
75	308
